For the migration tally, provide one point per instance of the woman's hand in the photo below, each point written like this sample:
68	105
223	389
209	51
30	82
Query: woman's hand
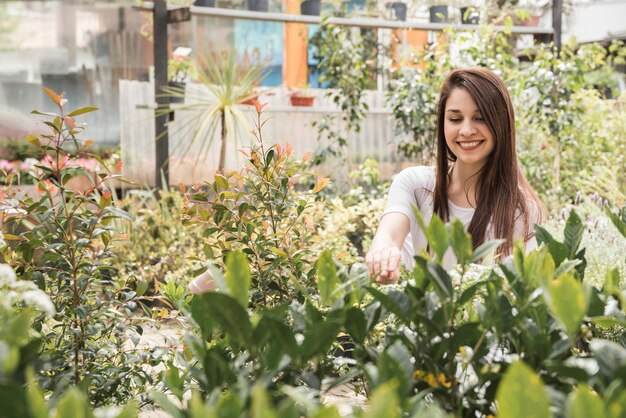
383	258
384	264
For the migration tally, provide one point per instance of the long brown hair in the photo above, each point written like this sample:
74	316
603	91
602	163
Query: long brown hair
502	191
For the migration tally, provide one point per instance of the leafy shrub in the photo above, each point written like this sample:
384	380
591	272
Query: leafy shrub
62	241
157	248
258	211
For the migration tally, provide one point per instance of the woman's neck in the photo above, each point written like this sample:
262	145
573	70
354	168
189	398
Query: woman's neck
462	184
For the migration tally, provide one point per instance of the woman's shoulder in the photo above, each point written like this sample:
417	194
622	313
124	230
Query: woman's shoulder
419	175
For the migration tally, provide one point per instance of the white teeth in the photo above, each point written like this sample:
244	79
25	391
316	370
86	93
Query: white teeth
469	144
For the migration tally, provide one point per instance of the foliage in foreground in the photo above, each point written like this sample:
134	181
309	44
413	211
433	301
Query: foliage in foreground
61	239
522	340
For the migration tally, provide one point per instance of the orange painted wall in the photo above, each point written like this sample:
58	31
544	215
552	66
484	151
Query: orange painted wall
405	40
296	36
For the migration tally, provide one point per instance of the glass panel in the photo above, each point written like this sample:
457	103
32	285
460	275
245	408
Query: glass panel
80	48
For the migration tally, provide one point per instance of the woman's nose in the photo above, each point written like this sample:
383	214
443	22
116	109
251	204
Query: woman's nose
467	129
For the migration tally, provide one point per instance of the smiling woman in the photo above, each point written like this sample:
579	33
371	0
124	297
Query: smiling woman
477	178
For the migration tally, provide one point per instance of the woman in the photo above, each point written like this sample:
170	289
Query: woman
477	178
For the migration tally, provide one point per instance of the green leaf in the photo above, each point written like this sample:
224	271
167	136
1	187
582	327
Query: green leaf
436	233
261	406
238	277
164	403
281	334
573	233
224	311
384	402
461	242
356	324
610	356
485	249
617	408
567	266
82	111
521	394
129	411
326	411
173	381
318	339
396	302
118	212
567	302
327	279
217	368
608	321
73	405
618	219
438	276
36	404
584	403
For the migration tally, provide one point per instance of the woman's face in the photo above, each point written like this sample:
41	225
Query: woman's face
465	130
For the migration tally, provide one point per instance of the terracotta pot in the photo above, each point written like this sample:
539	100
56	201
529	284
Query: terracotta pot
250	101
304	101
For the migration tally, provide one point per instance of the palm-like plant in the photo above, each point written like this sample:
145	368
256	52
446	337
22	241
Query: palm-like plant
225	81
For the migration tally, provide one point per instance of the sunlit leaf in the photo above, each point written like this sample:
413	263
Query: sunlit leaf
521	394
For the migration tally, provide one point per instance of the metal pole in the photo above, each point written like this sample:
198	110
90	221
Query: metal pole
557	13
162	101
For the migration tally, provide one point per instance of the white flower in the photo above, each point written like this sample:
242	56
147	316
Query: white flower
37	298
7	275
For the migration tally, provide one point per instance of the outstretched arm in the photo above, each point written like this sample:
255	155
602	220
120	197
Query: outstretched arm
383	258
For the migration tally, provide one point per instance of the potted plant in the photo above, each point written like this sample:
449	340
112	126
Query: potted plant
302	97
180	71
438	12
398	10
229	83
470	15
311	7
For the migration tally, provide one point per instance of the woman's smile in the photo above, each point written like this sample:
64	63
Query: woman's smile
470	145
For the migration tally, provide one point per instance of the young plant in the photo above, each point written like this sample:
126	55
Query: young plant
260	212
62	241
345	63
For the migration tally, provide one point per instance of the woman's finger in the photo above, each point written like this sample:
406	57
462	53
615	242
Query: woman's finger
384	261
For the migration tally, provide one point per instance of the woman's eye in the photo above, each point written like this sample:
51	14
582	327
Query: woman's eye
479	119
455	120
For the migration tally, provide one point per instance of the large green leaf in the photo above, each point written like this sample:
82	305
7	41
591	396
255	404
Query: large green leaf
436	233
461	242
356	324
261	406
384	402
521	394
327	279
238	277
573	233
567	302
73	405
584	403
617	408
485	249
281	334
618	219
224	311
318	339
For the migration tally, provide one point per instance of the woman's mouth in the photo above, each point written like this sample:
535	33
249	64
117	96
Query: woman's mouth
469	145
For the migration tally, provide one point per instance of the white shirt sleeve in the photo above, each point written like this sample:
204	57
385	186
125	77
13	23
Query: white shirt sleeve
405	191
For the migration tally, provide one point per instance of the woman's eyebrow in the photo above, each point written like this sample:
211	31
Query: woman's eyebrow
477	111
